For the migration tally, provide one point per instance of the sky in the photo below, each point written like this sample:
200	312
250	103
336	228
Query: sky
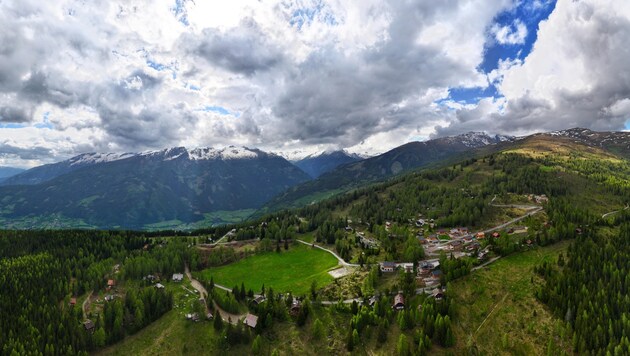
299	76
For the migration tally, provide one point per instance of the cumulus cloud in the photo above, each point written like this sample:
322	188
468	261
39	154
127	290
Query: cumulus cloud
516	33
577	74
282	75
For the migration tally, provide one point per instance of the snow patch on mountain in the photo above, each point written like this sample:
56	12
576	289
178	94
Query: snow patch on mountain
478	139
94	158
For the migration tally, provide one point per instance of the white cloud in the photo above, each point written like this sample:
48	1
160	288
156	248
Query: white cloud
311	74
577	74
512	34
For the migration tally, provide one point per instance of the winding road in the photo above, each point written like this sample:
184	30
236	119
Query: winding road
614	212
232	318
341	261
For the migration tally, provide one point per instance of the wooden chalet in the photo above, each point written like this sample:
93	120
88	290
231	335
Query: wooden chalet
399	302
89	325
388	266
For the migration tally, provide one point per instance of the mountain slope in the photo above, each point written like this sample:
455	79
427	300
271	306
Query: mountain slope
617	142
7	172
318	164
50	171
406	157
175	184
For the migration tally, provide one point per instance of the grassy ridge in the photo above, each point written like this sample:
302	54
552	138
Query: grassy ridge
288	271
497	313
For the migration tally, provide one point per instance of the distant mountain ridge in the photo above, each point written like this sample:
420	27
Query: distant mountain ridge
409	156
617	142
48	172
137	190
319	163
7	172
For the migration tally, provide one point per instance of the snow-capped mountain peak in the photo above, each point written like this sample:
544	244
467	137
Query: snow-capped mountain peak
474	139
94	158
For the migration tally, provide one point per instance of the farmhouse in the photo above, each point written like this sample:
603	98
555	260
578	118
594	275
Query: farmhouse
399	302
437	294
259	299
89	325
388	266
251	320
456	245
372	301
178	277
296	305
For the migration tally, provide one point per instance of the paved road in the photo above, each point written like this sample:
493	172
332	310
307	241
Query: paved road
534	210
341	261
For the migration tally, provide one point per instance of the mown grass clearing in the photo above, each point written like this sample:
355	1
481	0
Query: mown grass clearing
496	311
290	270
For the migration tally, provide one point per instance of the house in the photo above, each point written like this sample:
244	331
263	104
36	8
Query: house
473	246
399	302
251	320
456	245
436	274
110	297
296	305
529	242
258	300
348	229
437	294
496	235
111	283
480	235
372	301
73	301
178	277
432	238
159	286
422	240
150	278
578	231
209	316
192	316
388	266
89	325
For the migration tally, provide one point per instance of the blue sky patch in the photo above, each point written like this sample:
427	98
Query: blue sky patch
179	11
306	15
530	13
46	124
219	110
12	125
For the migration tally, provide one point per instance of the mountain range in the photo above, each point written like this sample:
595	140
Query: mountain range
186	188
6	172
317	164
174	185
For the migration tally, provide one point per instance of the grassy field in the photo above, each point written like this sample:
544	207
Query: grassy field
497	313
288	271
172	334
